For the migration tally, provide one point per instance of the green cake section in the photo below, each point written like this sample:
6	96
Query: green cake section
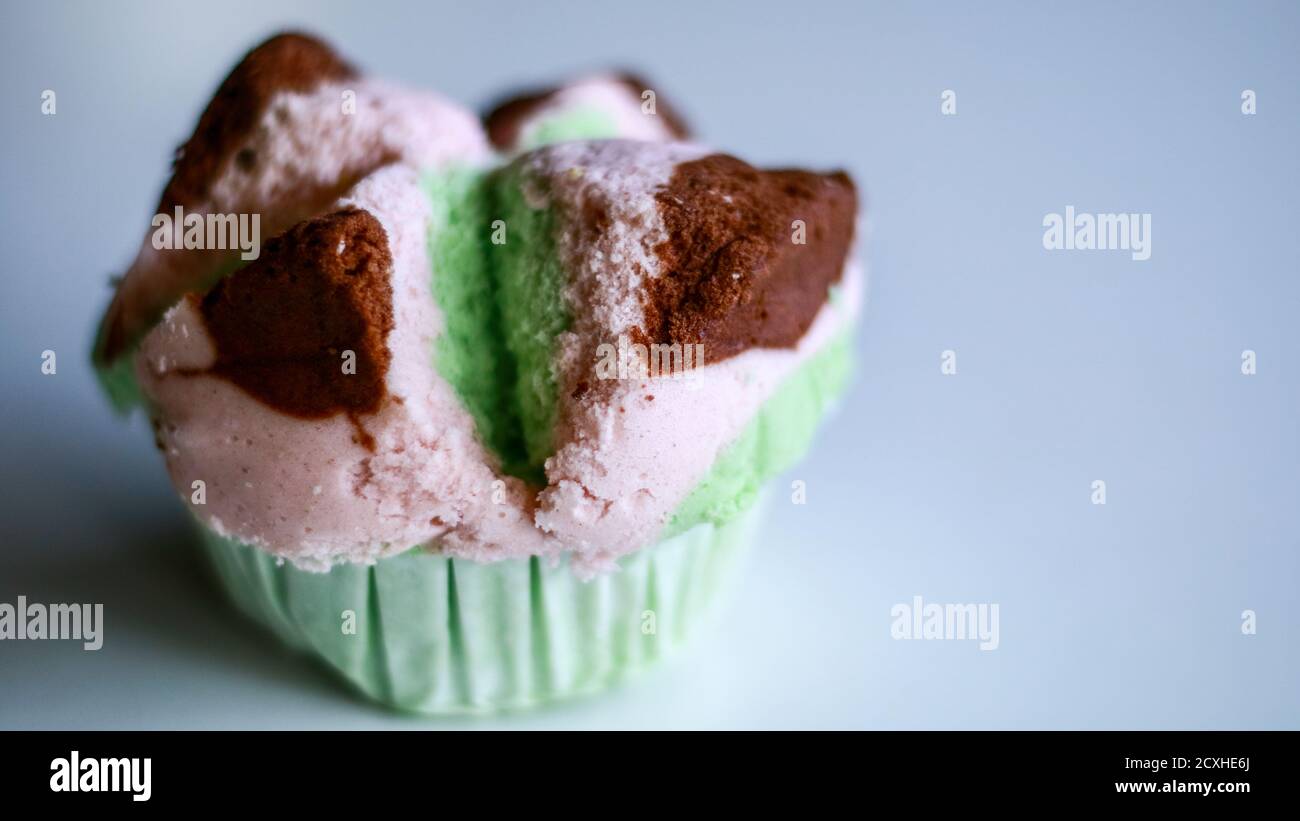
471	352
499	285
530	282
582	123
117	379
773	441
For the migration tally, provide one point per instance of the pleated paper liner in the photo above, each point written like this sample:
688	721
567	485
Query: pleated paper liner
429	634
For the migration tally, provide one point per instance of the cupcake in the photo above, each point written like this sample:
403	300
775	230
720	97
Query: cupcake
486	420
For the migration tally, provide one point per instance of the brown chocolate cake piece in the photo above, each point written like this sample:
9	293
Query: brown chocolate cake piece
750	254
282	325
289	62
289	130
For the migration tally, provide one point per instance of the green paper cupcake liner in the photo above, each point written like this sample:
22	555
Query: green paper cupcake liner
434	635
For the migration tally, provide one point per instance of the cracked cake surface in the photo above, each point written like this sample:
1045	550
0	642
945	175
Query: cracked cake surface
443	347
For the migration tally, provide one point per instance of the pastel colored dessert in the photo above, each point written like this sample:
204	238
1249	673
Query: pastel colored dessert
508	416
